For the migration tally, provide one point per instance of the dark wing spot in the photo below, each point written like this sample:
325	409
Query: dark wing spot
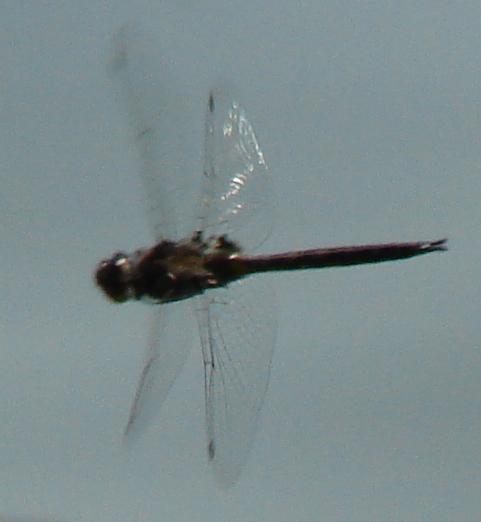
211	103
211	449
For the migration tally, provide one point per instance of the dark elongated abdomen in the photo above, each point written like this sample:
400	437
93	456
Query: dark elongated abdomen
340	256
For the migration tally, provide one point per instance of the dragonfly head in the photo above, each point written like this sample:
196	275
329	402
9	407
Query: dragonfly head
114	276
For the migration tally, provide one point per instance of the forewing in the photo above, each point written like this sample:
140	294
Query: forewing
237	195
160	118
237	329
167	349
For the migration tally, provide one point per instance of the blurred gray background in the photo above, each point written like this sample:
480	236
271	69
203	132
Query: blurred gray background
369	115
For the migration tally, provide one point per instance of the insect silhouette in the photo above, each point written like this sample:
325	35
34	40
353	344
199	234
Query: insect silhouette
208	266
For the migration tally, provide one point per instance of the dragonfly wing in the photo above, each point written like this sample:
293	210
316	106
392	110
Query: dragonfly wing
167	350
237	329
161	121
237	195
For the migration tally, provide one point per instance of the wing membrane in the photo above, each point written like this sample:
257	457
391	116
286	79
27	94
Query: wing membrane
167	350
161	116
237	193
237	329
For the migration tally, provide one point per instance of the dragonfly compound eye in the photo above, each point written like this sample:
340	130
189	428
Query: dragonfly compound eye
110	276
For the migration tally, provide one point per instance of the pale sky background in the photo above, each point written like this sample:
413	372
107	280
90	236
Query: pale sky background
369	115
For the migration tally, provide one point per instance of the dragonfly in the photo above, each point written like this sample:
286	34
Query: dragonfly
210	267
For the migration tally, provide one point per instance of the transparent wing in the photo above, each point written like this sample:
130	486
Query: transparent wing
160	118
167	350
237	329
237	195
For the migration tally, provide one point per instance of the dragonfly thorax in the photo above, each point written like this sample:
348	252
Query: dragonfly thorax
170	271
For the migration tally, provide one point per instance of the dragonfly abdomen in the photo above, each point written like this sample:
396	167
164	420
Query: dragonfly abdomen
340	256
